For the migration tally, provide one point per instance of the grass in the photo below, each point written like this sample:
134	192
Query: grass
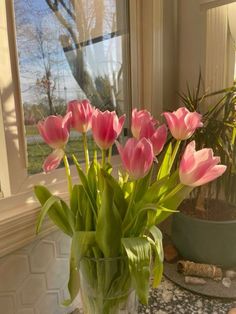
37	152
31	130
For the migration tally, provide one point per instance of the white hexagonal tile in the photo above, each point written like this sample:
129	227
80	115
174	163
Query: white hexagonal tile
31	290
7	304
13	270
28	248
41	256
48	303
63	246
57	274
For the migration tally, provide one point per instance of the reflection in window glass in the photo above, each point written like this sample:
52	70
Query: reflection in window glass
70	49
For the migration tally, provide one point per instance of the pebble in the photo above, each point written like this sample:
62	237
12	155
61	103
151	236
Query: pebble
167	296
226	282
199	303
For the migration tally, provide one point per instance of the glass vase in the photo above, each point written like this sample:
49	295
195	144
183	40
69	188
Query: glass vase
106	286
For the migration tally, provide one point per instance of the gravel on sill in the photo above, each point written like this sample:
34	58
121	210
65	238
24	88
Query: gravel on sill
169	298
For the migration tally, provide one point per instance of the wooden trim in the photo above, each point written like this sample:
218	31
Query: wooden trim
136	53
216	49
13	171
146	31
209	4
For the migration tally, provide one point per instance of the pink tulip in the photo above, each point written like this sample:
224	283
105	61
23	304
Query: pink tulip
106	127
141	118
81	115
199	167
183	123
137	157
53	160
55	131
156	136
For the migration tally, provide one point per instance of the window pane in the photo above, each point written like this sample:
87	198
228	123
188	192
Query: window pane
70	49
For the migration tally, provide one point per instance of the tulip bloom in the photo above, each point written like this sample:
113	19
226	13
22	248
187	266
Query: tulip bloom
81	115
183	123
156	136
137	157
140	119
199	167
106	127
55	131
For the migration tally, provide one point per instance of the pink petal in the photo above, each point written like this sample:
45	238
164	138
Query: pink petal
181	112
53	160
193	120
158	139
211	175
173	124
120	124
42	132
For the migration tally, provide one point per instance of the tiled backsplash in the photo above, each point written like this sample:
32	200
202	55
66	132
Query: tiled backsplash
33	280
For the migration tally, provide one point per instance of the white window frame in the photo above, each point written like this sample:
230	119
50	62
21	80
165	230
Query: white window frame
18	208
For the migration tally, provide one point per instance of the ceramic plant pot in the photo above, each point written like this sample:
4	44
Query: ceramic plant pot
204	241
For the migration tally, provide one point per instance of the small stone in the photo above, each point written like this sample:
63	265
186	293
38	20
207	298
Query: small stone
199	303
230	274
226	282
170	253
232	311
167	296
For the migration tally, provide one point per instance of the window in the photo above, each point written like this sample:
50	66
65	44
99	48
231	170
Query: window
70	50
133	39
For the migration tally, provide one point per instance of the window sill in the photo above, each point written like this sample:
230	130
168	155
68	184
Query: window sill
18	213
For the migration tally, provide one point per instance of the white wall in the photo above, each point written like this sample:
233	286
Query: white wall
191	41
33	280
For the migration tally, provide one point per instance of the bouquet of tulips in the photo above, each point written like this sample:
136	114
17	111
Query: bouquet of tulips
115	215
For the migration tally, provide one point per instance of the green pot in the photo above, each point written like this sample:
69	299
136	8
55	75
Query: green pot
203	241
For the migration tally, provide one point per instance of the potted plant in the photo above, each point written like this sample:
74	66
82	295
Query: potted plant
204	230
111	217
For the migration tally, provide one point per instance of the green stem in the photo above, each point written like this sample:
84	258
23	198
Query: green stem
109	154
67	168
176	189
176	148
103	157
95	156
132	197
86	153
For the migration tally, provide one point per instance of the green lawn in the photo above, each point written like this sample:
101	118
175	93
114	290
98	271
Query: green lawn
37	152
31	130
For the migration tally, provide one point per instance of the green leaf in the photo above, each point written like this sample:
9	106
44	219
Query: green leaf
156	243
108	233
87	189
174	198
81	242
92	180
157	236
142	186
165	165
51	205
138	251
119	198
74	199
153	194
